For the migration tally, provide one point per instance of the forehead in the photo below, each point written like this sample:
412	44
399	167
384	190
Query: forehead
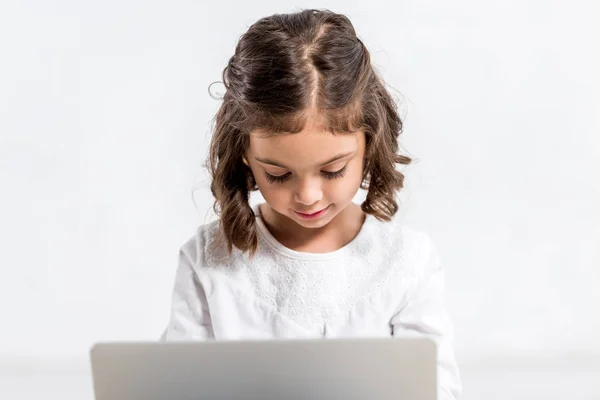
311	146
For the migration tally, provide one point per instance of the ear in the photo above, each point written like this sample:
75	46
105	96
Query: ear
250	181
366	173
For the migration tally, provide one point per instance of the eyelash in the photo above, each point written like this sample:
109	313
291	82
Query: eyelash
329	175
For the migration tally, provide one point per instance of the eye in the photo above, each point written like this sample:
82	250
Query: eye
327	174
336	174
277	178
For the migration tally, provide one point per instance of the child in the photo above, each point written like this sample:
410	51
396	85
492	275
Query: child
307	122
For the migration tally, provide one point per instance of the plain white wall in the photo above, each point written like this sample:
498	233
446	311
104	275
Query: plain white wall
105	118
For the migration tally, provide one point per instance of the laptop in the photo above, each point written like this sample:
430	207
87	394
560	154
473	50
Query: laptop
315	369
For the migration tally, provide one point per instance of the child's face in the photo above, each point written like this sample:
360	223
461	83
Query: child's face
297	177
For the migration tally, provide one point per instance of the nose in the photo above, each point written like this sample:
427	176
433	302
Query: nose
309	192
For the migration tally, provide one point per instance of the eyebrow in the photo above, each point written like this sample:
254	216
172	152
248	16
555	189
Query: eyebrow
276	164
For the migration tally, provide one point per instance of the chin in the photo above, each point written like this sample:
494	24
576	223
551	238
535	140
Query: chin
312	224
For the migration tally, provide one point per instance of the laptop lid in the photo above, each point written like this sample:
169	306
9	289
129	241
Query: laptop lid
344	369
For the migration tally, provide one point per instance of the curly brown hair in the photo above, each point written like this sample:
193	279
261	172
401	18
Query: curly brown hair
284	67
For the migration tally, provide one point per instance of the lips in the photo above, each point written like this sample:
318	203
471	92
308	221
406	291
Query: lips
311	215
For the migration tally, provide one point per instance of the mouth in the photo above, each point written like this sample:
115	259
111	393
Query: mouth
312	215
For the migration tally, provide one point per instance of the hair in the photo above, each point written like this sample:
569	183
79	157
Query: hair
287	68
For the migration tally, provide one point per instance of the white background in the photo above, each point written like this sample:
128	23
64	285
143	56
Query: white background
105	118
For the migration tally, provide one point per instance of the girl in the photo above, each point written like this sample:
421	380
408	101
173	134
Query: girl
306	121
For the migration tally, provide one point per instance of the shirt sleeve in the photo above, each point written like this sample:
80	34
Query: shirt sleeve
425	314
190	317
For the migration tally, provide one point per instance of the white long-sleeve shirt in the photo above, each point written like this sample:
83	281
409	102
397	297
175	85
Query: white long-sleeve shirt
387	282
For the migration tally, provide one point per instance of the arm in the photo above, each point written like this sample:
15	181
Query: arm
425	315
190	318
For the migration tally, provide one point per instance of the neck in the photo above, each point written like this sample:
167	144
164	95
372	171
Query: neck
338	232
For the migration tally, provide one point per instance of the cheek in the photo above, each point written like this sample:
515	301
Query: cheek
344	189
273	193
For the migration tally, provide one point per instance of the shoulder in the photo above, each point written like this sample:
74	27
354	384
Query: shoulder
205	245
417	241
396	231
414	246
423	252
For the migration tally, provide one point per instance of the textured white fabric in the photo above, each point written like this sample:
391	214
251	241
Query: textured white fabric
387	282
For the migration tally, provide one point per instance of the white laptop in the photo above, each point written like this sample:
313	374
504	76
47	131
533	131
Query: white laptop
332	369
